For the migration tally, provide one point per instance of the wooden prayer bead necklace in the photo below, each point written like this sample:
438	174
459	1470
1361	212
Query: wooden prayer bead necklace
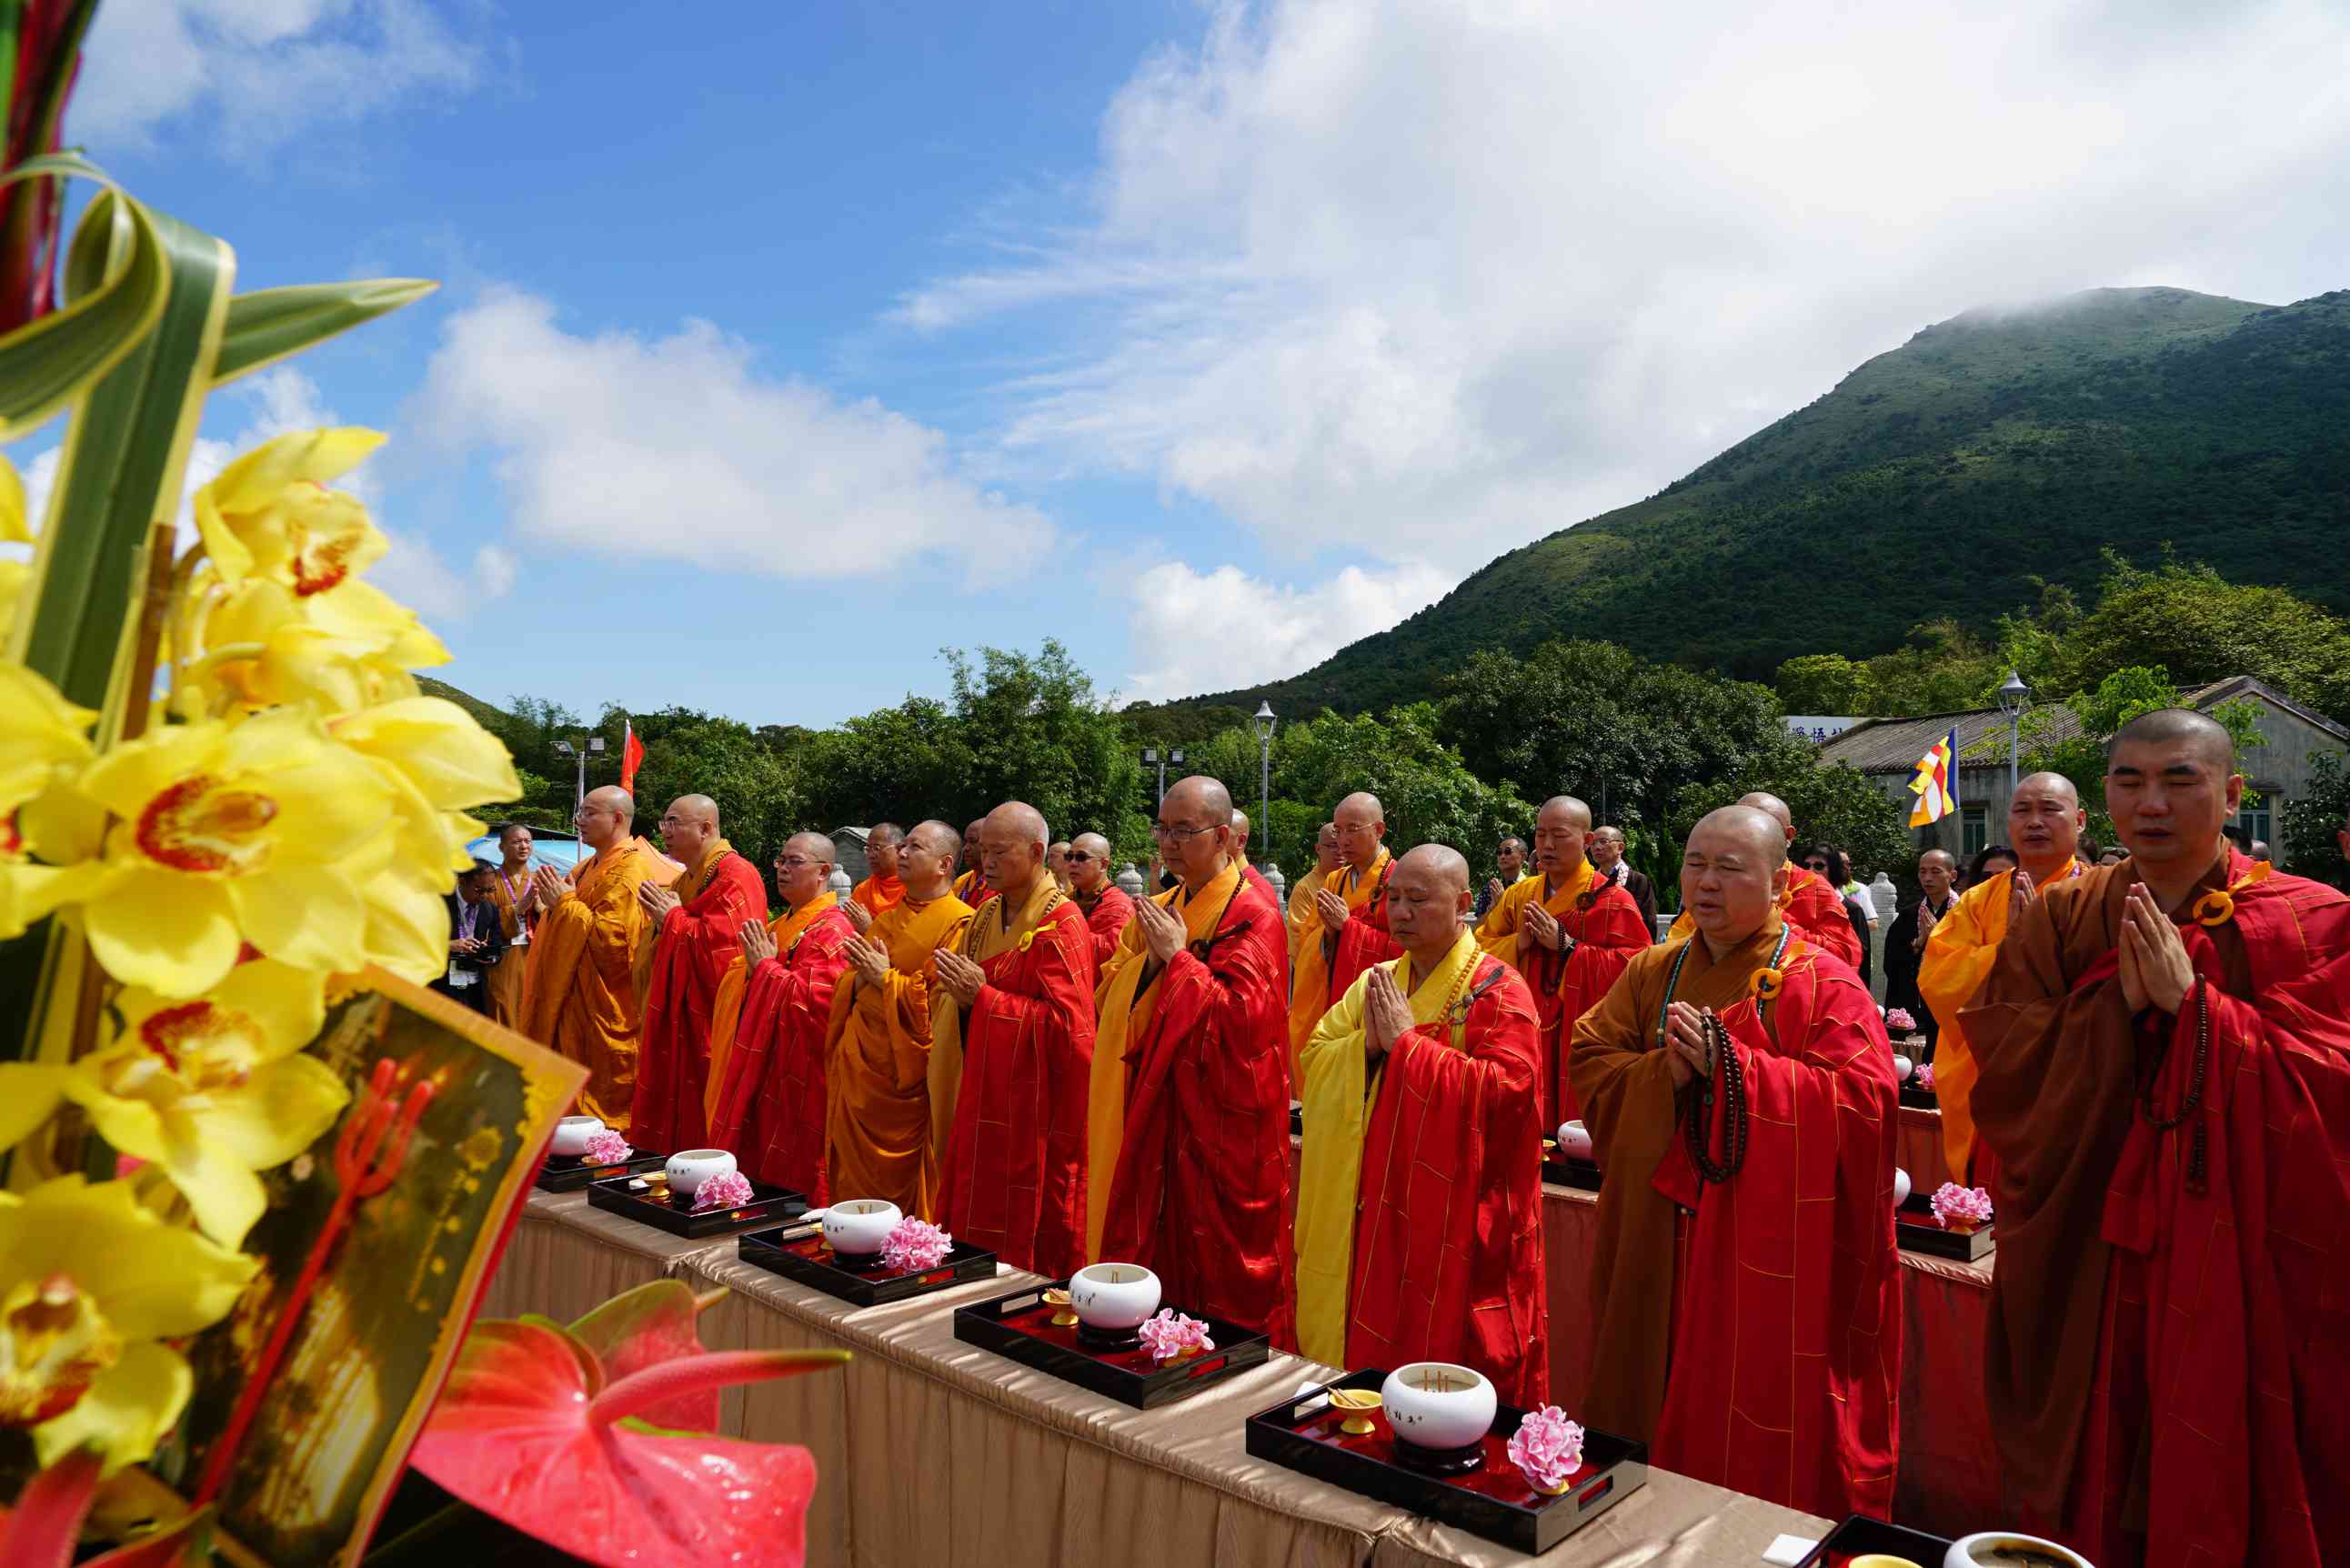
2193	1103
1723	1070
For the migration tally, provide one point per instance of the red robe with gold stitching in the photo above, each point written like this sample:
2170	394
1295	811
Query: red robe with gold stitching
1106	921
1013	1179
698	939
770	1111
1608	930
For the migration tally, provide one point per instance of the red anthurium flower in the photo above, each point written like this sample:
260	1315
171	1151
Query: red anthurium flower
43	1529
533	1429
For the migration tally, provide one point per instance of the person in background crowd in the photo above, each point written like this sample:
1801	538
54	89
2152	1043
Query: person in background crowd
510	892
1990	861
1304	923
2089	852
1808	901
591	928
1105	905
1057	861
1510	859
1828	863
475	942
881	889
1855	889
2260	851
2114	854
1606	850
1913	928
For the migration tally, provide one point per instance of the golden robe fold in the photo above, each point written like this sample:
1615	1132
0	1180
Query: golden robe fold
878	1138
583	996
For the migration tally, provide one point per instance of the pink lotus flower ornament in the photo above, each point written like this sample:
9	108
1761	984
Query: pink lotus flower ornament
1547	1448
914	1245
1924	1076
1959	1207
1171	1335
731	1190
608	1147
1899	1022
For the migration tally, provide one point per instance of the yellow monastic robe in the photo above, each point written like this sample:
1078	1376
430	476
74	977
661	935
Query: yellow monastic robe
978	943
583	996
508	978
1302	921
726	1003
877	1049
1309	985
1339	1092
1497	933
1121	1016
1958	958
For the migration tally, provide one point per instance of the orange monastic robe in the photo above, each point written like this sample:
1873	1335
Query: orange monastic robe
972	888
769	1104
1311	989
508	978
698	939
1419	1230
1752	1328
1014	1177
878	1134
583	993
879	893
1810	905
1600	927
1959	957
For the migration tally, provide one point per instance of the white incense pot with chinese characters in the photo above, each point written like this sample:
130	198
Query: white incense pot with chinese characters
1437	1405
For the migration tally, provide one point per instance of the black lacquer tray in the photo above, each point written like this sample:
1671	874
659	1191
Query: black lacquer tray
1859	1535
1915	1231
799	1252
1019	1328
1568	1170
570	1172
1493	1500
767	1204
1918	1098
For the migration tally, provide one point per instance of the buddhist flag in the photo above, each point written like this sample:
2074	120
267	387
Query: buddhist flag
1936	785
633	752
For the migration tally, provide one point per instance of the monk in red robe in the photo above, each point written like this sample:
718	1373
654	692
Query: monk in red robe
1808	902
770	1102
1420	1187
698	931
1569	932
972	885
1745	1292
1104	904
1014	1010
1189	1105
2163	1076
882	887
1352	907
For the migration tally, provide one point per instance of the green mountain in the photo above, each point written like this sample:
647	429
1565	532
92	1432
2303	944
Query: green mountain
1938	479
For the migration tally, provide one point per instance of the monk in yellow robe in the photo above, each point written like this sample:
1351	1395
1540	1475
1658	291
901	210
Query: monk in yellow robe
878	1141
1355	892
2044	821
583	993
1302	921
1808	902
511	894
881	888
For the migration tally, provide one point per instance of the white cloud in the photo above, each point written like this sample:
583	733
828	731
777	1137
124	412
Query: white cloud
494	570
678	448
260	72
1196	632
1416	282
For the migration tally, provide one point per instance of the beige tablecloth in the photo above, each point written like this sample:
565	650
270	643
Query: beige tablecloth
567	1257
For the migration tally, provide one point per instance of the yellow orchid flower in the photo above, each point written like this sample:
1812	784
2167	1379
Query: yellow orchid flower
211	1090
90	1284
407	924
40	733
15	580
260	644
441	748
269	512
13	529
253	832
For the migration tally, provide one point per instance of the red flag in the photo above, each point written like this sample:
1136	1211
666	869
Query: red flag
632	753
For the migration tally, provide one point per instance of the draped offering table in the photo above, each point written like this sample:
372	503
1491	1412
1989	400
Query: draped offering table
1918	1148
567	1257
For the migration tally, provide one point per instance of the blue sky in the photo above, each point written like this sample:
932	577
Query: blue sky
781	345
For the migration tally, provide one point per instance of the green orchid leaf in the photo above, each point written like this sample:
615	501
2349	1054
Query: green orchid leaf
118	282
273	324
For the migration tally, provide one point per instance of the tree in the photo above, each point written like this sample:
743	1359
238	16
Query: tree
1825	683
1835	805
2120	696
1943	669
687	752
2312	819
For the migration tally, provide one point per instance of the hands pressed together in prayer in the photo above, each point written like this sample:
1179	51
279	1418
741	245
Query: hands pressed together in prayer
1539	925
2021	891
1162	929
1926	922
657	900
869	959
1492	891
859	916
961	976
1333	910
1387	1016
2155	971
1686	1048
549	886
758	943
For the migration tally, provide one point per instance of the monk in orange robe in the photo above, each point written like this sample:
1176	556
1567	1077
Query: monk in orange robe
1012	1025
882	1139
583	994
1188	1122
1569	933
510	895
1808	902
1304	920
972	885
1745	1289
2044	822
1420	1187
766	1063
881	887
1350	911
698	931
2163	1050
1104	904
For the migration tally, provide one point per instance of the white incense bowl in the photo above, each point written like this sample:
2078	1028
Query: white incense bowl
1114	1297
1901	1186
1575	1138
572	1133
1999	1548
1436	1404
1902	1068
860	1225
689	1170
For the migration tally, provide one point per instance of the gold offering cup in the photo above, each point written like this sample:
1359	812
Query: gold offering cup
1358	1403
1063	1316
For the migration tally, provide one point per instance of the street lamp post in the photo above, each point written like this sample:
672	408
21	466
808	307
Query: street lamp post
1152	757
2013	696
595	744
1264	721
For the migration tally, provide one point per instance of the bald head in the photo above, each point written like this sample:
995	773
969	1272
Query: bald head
689	827
2178	728
2044	822
1195	830
1326	847
1362	823
1239	830
1731	871
881	848
1427	900
2171	786
1057	861
804	869
1561	830
1090	863
926	860
604	816
1772	806
1013	839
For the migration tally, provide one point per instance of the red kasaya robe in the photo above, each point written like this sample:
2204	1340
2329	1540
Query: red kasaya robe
1814	907
1758	1339
1014	1177
771	1109
2170	1341
697	941
1106	919
1362	941
1201	1194
1605	926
